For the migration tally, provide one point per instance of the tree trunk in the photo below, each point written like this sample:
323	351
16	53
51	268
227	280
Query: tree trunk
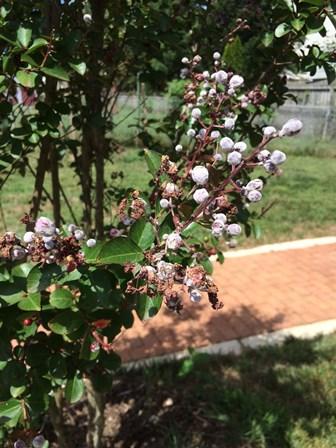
95	132
56	418
96	420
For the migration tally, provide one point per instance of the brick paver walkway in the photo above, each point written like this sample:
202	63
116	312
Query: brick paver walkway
261	293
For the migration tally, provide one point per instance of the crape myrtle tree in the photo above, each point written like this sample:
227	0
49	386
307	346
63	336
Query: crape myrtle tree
65	296
71	59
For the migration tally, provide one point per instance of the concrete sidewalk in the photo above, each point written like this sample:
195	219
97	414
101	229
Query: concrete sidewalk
261	293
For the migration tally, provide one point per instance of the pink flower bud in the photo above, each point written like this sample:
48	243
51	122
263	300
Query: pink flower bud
174	241
236	81
196	113
269	131
45	226
254	196
278	157
195	295
240	146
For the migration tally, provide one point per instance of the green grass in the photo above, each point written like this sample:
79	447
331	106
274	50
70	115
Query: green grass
280	397
304	199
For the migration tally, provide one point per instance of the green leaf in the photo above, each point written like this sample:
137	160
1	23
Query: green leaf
298	24
147	307
74	389
17	391
330	72
268	39
10	409
32	302
91	253
282	29
142	233
66	322
56	72
79	68
320	3
24	36
40	277
256	230
153	160
119	251
37	43
29	60
61	298
26	79
206	263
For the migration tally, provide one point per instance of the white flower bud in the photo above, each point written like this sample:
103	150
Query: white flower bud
234	158
203	93
206	74
87	18
263	155
71	228
292	127
217	228
254	196
220	76
226	144
185	60
270	167
200	175
229	123
164	203
127	221
212	93
197	58
29	237
79	234
217	63
195	295
18	253
278	157
39	442
231	91
269	131
234	229
49	243
174	241
240	146
214	135
191	132
171	188
255	184
178	148
91	242
220	217
200	195
216	55
201	133
196	113
165	271
236	81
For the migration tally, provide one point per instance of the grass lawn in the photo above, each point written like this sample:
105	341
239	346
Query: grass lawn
280	397
304	196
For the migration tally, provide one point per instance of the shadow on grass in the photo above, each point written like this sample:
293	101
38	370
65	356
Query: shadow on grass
273	397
